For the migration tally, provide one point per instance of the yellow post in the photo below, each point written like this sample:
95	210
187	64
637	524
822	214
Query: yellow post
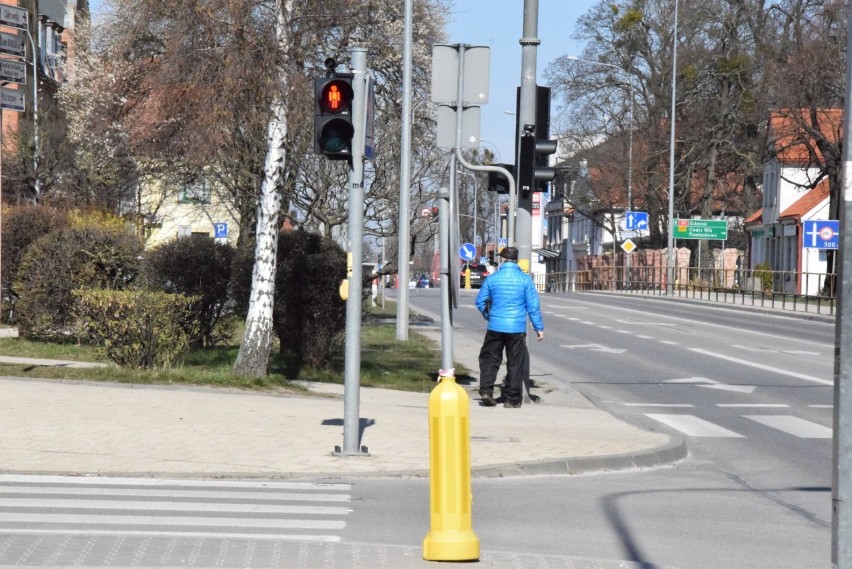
450	536
467	278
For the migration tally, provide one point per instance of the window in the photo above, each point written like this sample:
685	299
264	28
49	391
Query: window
194	192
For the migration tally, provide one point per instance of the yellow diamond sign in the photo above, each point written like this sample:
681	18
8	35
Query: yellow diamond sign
628	246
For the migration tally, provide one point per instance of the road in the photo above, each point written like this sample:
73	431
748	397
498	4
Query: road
750	393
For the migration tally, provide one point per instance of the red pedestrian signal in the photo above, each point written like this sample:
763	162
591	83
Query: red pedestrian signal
333	129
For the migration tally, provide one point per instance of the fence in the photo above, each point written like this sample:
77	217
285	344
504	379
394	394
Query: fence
770	289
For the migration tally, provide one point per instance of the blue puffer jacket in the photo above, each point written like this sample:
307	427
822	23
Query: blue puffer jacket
513	296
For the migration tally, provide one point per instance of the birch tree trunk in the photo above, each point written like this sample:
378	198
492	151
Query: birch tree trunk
253	357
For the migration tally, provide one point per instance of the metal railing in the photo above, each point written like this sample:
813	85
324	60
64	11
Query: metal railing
786	290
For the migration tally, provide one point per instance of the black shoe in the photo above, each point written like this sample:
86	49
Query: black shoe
487	401
508	405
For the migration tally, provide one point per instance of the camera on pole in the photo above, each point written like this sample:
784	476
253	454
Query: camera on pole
333	128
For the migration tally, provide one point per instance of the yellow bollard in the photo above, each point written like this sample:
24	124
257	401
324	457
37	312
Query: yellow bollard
450	536
467	278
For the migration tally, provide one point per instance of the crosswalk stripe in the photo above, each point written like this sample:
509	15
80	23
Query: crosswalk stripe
172	494
693	426
793	426
113	520
174	506
54	505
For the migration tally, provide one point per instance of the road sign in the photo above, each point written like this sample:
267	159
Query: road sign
12	99
13	17
13	44
445	74
220	230
503	242
13	71
628	246
823	234
467	252
636	220
701	229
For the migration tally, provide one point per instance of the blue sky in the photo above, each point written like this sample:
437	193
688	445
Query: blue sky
498	24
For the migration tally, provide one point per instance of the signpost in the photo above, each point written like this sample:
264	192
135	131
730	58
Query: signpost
467	252
701	229
824	234
636	220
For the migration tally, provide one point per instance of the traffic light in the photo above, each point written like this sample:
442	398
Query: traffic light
497	182
333	129
435	211
535	145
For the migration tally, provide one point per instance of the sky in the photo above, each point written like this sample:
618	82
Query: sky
498	24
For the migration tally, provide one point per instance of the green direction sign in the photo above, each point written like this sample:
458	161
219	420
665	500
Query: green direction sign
701	229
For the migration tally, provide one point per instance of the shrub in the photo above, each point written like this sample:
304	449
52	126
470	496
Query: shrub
84	257
309	313
195	266
763	271
22	226
141	330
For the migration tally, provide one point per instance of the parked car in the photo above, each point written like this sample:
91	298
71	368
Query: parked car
477	275
422	281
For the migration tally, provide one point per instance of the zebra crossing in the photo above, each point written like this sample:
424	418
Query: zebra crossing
694	426
275	510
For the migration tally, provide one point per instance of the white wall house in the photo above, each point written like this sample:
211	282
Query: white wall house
790	197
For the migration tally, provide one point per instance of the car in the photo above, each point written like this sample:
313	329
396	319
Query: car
422	281
477	275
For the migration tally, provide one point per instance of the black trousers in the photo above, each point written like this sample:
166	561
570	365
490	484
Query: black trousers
517	364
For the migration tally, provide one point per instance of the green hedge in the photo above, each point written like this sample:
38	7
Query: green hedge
141	330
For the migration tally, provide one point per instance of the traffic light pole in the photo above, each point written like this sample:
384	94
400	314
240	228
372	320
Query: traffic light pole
526	116
352	376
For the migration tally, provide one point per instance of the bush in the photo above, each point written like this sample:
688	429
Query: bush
22	226
309	313
140	330
195	266
763	271
82	257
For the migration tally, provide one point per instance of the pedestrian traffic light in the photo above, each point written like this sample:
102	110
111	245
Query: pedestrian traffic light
333	129
435	211
532	161
497	182
535	147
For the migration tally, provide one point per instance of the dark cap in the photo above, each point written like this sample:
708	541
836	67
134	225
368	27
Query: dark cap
509	253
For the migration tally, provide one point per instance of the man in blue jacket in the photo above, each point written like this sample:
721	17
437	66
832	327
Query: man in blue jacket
505	300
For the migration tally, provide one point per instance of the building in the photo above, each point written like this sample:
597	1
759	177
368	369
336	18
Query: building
794	191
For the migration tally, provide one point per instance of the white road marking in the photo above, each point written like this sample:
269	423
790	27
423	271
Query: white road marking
669	342
693	426
594	348
752	405
821	406
793	426
764	367
659	405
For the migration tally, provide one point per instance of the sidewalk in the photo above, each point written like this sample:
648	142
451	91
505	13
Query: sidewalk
93	428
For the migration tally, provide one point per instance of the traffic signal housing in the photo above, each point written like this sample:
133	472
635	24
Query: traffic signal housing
534	171
435	212
333	128
497	182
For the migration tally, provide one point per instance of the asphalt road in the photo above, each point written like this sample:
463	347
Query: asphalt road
751	393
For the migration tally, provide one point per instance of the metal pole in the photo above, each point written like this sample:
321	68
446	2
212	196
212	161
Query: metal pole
404	183
670	253
352	375
841	487
36	142
446	275
526	116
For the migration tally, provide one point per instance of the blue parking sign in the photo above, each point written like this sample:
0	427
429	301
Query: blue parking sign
821	234
220	230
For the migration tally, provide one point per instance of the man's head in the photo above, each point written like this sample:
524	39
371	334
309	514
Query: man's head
509	253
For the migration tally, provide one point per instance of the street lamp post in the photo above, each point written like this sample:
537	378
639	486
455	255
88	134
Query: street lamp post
670	244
